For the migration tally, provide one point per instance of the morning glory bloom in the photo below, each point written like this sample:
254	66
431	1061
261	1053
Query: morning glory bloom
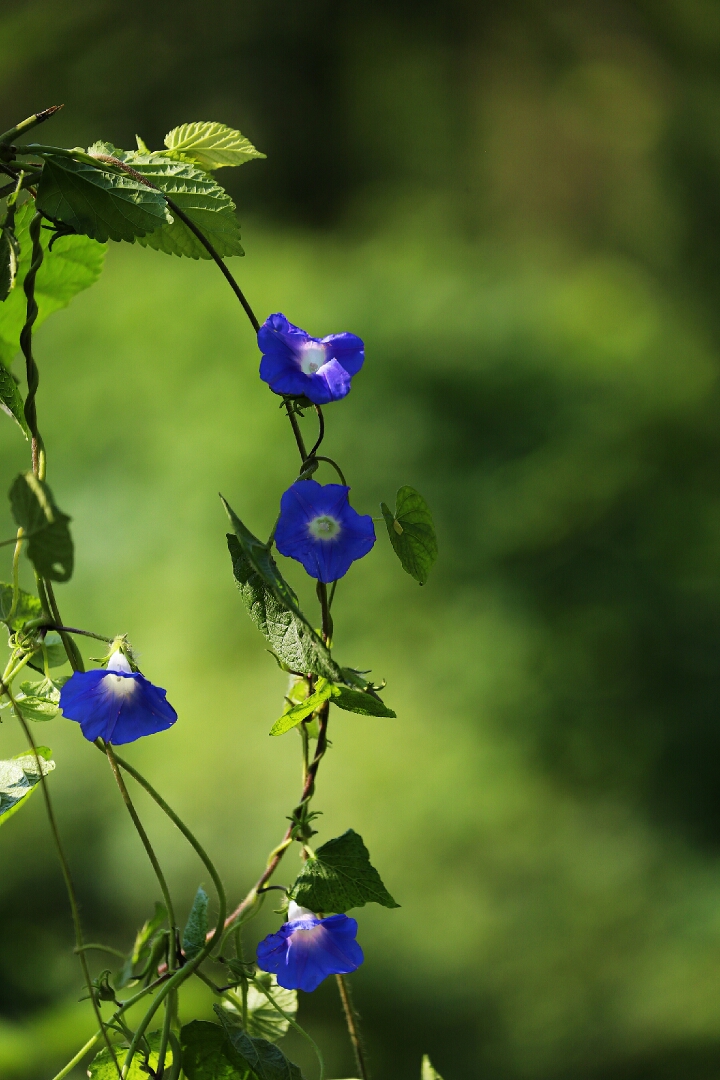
116	704
296	364
306	949
320	529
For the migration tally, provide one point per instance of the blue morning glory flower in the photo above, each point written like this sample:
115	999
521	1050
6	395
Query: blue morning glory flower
116	704
306	949
320	529
296	364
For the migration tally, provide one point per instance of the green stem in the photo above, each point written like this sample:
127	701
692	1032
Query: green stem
353	1026
78	1057
291	1020
9	136
31	368
69	886
140	829
16	575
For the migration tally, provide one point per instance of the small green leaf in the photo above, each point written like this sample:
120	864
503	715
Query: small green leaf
427	1072
207	1054
265	1060
28	607
293	640
340	876
99	201
9	258
142	949
209	145
102	1067
74	263
263	1019
412	533
19	777
195	931
295	714
358	701
11	400
49	545
262	562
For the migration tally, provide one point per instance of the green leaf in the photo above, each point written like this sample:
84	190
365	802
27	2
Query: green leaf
9	256
38	700
196	927
54	650
19	777
262	562
28	607
102	1066
207	1054
412	533
99	201
209	145
141	951
292	639
295	714
263	1019
207	205
11	400
74	264
427	1072
265	1060
340	876
358	701
49	545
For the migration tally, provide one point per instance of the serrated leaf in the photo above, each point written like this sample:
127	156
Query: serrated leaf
49	545
102	1067
74	264
340	876
263	1019
196	927
412	533
292	639
199	196
28	607
102	203
207	1054
9	257
209	145
295	714
264	1060
19	777
427	1072
358	701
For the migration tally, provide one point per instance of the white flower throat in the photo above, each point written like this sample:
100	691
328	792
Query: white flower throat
324	527
312	358
119	685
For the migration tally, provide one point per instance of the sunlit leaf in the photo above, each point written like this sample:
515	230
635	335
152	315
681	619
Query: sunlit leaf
102	1067
74	263
263	1019
209	145
427	1072
19	777
28	606
340	876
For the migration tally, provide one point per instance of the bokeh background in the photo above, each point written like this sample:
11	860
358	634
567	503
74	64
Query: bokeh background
517	206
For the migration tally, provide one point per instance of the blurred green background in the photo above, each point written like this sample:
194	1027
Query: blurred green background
517	206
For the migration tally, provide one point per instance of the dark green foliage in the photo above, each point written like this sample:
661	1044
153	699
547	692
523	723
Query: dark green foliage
412	533
264	1060
103	203
9	257
298	647
49	544
340	876
208	1055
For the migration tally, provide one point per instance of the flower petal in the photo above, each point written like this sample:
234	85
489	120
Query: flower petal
347	349
303	953
114	706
